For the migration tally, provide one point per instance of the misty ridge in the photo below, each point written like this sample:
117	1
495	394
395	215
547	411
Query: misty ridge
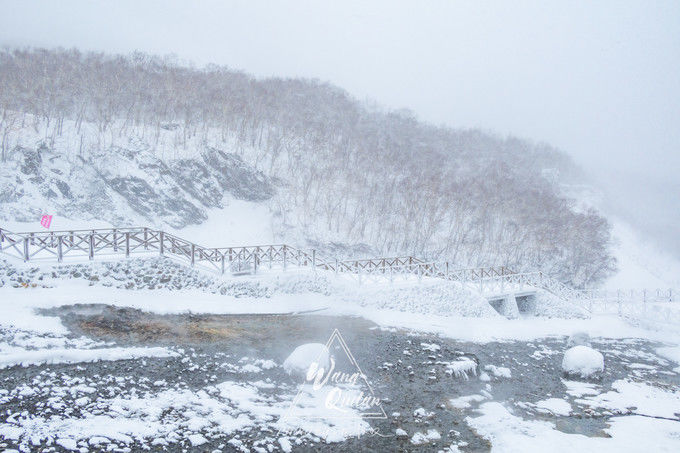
344	171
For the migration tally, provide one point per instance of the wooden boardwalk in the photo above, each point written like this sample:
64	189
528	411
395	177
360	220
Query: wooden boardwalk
490	282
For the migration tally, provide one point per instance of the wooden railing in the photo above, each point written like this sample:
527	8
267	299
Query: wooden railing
60	245
129	241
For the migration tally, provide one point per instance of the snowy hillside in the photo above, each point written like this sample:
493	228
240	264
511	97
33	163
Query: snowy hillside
641	264
337	173
123	186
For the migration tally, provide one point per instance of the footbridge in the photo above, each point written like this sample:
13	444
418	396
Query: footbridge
499	285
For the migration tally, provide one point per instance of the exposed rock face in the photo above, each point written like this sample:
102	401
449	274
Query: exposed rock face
197	180
125	186
142	198
237	177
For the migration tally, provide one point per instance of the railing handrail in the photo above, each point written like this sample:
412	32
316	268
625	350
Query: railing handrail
156	239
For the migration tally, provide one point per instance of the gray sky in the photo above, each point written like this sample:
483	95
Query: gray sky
600	80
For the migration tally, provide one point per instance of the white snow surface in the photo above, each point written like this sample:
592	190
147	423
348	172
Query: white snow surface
671	353
17	307
510	433
555	406
641	264
638	398
20	356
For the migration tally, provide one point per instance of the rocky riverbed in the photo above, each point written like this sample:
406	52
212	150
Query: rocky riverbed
228	367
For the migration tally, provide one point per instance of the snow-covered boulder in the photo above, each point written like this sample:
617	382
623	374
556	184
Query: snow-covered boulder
582	361
579	339
430	436
299	361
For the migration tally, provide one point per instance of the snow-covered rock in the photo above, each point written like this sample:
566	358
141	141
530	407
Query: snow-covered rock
421	439
463	367
421	412
579	339
400	433
582	361
499	371
285	444
299	361
197	439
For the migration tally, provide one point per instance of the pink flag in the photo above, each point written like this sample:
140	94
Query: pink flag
46	221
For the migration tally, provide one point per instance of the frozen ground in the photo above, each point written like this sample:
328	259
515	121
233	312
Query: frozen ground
88	365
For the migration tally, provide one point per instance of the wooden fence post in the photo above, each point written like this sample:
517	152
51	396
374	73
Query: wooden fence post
255	260
26	255
285	257
146	239
127	244
91	239
161	249
193	251
222	255
337	266
60	252
115	241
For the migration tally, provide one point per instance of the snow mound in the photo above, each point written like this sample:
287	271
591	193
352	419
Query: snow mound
582	361
430	296
551	306
579	339
300	360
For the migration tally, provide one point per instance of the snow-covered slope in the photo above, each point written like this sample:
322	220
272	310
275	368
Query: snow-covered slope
641	264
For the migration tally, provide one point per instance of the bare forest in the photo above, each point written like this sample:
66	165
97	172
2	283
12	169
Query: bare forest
345	169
